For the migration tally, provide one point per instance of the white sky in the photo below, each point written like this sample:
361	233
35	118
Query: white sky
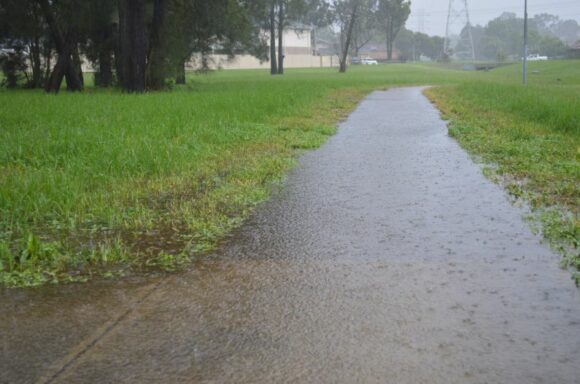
481	11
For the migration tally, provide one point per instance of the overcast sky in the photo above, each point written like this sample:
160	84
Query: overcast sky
481	11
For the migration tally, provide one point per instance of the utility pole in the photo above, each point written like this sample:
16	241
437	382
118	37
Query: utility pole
446	41
525	42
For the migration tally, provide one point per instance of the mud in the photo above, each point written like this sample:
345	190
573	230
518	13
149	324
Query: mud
386	258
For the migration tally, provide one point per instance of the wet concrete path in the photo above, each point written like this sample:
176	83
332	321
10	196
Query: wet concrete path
386	258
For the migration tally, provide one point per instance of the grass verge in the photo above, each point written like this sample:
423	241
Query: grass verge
143	203
530	137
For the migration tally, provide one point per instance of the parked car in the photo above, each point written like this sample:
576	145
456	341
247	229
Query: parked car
537	57
6	52
369	62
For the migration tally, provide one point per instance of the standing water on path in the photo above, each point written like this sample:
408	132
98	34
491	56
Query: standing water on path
386	258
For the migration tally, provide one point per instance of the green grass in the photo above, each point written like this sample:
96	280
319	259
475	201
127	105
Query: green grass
105	184
532	137
109	183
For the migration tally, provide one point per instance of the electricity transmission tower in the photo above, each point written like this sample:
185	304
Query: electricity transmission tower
459	14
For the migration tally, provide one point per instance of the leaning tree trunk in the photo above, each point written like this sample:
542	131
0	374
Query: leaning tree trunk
57	75
348	39
133	44
281	39
273	62
77	65
64	47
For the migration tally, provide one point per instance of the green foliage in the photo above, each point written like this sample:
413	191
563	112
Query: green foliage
501	39
410	43
393	15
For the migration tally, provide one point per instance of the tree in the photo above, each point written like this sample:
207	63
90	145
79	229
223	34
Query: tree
156	56
393	15
218	26
148	42
279	15
64	34
501	39
346	14
262	14
416	44
272	29
22	28
132	45
406	45
100	41
366	26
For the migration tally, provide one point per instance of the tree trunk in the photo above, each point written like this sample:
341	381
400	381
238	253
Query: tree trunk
55	79
104	78
35	51
133	44
346	46
47	60
155	68
105	69
392	33
77	66
64	47
389	44
180	78
273	62
36	63
118	56
281	38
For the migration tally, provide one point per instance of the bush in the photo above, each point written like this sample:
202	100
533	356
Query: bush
13	67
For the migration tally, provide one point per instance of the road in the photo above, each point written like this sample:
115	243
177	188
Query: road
387	257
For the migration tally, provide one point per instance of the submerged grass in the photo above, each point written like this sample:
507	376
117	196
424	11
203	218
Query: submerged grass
107	183
532	135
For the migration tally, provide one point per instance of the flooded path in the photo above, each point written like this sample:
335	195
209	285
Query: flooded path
386	258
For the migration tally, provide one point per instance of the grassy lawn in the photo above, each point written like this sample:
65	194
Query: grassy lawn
530	136
105	184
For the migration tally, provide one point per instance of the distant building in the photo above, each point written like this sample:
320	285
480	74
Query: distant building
299	52
378	52
574	51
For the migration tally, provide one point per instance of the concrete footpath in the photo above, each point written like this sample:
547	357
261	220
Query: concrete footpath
387	257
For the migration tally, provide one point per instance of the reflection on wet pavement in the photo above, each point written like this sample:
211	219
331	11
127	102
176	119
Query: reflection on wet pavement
386	258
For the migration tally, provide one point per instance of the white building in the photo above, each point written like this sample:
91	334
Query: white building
299	52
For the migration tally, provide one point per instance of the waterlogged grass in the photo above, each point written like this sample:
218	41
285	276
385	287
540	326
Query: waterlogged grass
105	183
532	135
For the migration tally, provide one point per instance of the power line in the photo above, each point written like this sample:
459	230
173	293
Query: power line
458	11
